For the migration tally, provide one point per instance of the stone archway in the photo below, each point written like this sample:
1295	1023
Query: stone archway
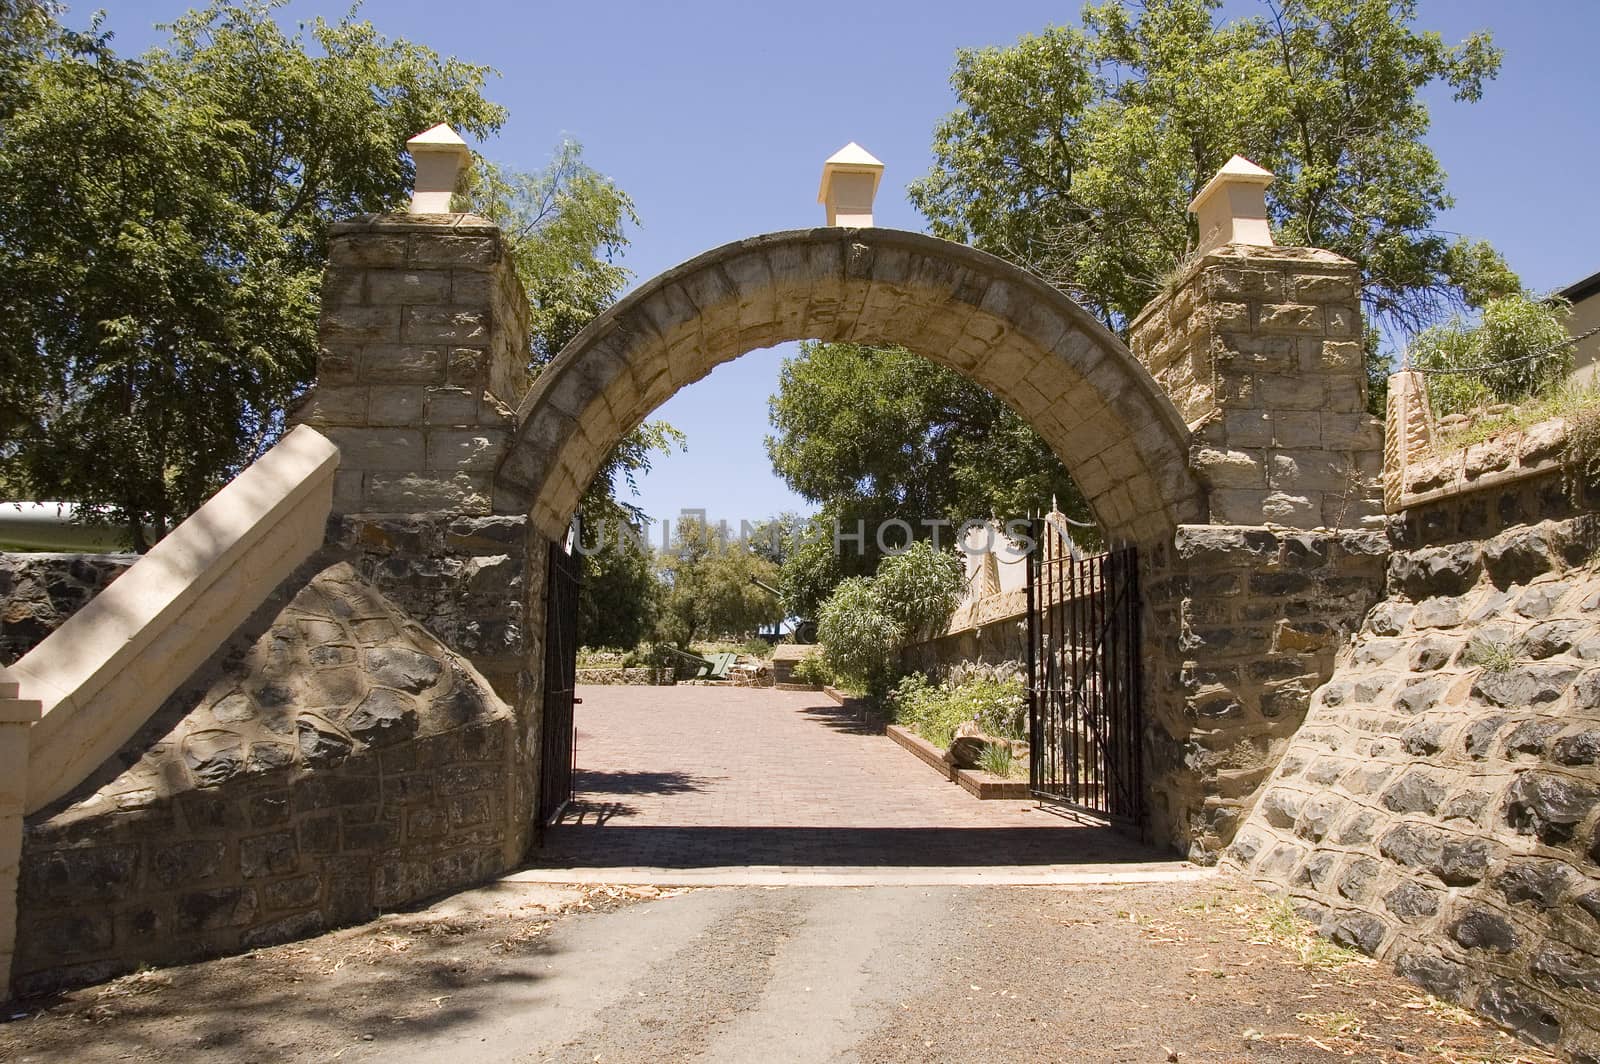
1100	411
1240	406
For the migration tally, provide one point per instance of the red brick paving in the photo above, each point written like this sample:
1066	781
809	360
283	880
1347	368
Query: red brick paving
687	777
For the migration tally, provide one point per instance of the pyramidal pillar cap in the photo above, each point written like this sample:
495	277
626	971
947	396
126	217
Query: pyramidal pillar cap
850	179
440	155
1232	208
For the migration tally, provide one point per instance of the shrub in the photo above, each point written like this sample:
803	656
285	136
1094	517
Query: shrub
935	711
814	671
866	621
756	648
859	640
1512	329
920	589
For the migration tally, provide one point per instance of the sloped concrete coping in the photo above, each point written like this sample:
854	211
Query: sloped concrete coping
112	664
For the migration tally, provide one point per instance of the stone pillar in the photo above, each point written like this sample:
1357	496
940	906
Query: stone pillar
423	360
17	717
1407	431
1261	351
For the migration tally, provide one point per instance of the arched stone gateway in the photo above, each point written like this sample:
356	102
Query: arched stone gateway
1100	411
1230	445
1240	405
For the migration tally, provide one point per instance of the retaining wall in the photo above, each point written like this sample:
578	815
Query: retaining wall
38	592
1440	807
333	759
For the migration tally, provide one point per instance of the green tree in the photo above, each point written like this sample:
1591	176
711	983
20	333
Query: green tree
163	233
1076	151
876	434
707	572
620	598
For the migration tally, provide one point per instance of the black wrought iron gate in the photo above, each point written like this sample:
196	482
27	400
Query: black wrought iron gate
560	679
1085	701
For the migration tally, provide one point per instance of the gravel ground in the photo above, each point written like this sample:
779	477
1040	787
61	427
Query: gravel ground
1161	972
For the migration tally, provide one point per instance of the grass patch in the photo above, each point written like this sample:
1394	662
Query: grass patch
1279	925
1332	1023
1568	401
998	760
1490	656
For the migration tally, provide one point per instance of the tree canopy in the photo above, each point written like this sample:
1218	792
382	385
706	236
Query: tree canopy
874	434
1076	151
162	239
708	591
162	253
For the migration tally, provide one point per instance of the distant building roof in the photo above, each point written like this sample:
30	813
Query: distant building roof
1576	293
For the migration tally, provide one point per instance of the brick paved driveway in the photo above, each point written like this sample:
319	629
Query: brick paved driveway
689	777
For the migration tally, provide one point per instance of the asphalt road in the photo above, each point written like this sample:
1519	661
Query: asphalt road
1177	971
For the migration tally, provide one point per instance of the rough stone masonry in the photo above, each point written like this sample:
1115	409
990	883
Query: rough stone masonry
1440	807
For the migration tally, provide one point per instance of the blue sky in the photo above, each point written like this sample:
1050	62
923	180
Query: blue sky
756	95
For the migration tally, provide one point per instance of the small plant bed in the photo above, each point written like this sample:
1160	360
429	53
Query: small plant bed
975	729
975	781
1459	430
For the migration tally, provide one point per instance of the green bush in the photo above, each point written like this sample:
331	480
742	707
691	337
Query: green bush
814	671
866	621
935	711
859	640
1511	329
920	589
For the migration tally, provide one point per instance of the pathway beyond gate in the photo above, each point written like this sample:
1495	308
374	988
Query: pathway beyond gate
728	784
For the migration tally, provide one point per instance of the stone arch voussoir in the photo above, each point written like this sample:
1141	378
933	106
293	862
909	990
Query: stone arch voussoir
1100	411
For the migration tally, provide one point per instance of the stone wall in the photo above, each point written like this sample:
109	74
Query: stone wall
991	632
1441	805
617	676
333	759
38	592
1241	625
1261	351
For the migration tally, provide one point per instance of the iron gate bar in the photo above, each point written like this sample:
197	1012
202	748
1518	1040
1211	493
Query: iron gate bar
1084	697
558	734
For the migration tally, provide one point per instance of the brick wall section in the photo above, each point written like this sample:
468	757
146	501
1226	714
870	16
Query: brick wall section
423	360
38	592
331	761
1261	351
1441	806
1241	625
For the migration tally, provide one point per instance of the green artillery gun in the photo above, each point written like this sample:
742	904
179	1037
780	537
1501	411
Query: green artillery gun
805	628
713	668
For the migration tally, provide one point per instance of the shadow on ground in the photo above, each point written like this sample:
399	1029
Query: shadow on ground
597	781
382	982
842	719
597	842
